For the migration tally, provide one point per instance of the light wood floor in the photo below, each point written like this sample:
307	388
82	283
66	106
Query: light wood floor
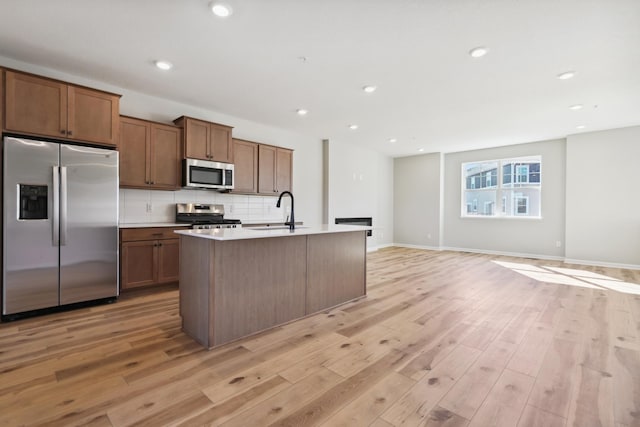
443	339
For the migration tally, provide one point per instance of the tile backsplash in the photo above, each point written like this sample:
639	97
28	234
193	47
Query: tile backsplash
150	206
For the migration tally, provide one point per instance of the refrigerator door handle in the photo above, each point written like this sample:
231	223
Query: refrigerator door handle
63	205
56	207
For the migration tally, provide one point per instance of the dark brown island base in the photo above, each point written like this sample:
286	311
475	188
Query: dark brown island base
236	282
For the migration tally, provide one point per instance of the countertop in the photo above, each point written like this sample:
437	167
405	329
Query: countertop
152	224
255	223
253	233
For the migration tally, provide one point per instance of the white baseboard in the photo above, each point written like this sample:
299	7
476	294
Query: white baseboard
375	248
428	248
501	253
602	264
522	255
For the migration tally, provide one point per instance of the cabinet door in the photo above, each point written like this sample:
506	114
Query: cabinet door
284	163
266	169
245	157
135	136
221	148
139	264
35	105
168	260
1	98
196	138
165	156
93	116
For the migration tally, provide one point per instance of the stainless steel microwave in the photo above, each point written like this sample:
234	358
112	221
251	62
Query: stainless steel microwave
205	174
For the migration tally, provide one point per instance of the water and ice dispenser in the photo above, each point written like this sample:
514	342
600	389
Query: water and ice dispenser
33	201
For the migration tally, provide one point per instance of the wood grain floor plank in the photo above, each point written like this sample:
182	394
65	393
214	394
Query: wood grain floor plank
556	379
414	407
216	414
468	393
592	401
287	402
626	380
342	393
440	417
506	402
364	410
529	357
576	354
535	417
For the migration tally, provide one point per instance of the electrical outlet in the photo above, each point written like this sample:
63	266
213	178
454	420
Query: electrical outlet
428	235
558	243
149	207
230	208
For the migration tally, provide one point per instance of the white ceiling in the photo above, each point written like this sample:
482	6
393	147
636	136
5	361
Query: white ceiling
431	93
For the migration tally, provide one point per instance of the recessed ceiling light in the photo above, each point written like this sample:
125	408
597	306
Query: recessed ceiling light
369	89
478	52
221	10
353	127
566	75
301	112
421	149
164	65
576	107
393	140
580	127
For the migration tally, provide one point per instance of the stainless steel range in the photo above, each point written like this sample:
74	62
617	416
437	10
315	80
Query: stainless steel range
204	216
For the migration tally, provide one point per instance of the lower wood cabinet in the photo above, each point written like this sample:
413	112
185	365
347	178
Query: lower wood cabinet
149	256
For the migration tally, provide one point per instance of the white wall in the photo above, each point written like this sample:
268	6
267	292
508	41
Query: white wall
417	198
307	159
360	184
603	200
523	236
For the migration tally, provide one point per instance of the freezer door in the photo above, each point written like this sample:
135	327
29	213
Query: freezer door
88	223
30	245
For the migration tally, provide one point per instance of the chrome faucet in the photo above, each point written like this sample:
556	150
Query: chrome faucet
292	221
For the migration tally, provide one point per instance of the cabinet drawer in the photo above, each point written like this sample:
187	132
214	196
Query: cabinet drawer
148	233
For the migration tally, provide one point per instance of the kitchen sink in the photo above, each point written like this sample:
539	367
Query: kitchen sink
279	227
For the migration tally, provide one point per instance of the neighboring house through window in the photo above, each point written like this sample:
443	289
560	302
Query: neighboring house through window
503	188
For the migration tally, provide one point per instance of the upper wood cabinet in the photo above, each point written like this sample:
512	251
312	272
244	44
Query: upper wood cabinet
41	106
245	157
205	140
149	155
274	169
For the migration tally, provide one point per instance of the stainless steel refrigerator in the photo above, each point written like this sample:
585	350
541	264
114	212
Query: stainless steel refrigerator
60	225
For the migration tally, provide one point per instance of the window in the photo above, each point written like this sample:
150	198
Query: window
521	204
522	174
502	188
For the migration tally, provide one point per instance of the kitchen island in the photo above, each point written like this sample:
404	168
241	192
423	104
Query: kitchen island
236	282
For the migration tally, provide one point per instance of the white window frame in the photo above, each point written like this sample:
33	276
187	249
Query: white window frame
500	208
518	174
488	203
516	198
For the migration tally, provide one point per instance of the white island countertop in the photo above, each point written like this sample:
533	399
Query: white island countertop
258	233
151	224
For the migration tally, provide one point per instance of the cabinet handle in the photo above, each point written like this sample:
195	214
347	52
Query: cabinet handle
62	131
159	244
153	182
69	133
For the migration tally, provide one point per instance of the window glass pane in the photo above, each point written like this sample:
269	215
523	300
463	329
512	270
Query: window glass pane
480	202
523	202
504	188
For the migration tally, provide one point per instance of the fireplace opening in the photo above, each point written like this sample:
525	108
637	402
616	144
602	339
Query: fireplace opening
356	221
